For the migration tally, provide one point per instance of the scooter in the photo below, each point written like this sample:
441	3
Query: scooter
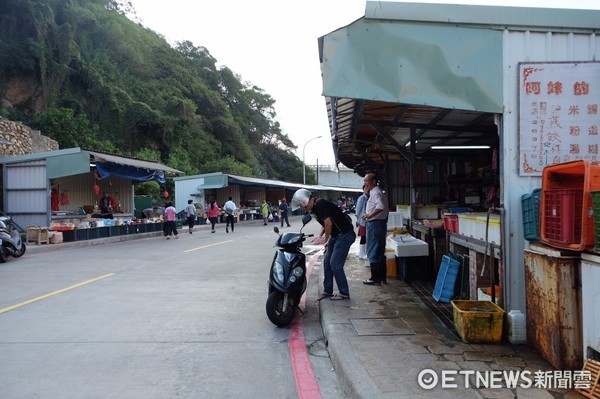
12	244
287	278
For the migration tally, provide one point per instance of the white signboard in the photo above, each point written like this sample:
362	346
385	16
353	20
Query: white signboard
558	114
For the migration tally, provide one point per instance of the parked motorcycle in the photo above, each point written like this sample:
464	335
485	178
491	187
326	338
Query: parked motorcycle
287	278
12	243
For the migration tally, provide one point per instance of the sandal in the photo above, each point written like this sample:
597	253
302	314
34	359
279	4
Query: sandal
339	296
323	296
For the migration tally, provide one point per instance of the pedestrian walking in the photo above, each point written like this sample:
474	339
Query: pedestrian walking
213	214
190	215
376	214
170	226
283	212
230	209
264	209
337	235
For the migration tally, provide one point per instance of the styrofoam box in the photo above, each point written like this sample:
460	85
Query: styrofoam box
404	210
428	212
482	296
395	220
473	225
406	246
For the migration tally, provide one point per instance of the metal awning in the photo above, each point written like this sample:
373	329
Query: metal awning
210	186
252	181
73	161
137	163
386	79
218	180
416	74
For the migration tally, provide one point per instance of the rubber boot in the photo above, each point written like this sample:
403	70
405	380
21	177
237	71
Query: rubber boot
383	272
362	251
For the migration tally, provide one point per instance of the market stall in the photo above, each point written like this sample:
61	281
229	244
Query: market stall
63	190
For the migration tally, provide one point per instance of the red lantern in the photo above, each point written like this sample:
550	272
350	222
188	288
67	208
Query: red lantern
96	189
166	194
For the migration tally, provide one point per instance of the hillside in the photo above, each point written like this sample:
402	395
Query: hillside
86	75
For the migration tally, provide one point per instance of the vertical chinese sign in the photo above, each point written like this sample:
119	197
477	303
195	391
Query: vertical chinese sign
558	114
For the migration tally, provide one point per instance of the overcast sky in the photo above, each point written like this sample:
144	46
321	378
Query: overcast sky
273	44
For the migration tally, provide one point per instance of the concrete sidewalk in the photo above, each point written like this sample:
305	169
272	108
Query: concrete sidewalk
384	336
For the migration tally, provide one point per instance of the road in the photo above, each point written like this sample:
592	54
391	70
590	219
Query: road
151	318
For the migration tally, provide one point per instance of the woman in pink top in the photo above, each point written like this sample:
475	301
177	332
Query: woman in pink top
170	227
213	214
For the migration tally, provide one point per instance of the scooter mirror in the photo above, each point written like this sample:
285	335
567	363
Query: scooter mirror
276	229
307	218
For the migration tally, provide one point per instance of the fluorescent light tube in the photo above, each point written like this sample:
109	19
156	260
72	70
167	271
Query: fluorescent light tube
460	147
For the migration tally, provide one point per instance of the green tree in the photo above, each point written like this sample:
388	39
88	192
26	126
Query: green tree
100	80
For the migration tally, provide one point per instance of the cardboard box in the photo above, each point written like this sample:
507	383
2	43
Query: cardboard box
56	237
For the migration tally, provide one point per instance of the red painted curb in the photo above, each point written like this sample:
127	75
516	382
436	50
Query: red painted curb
306	383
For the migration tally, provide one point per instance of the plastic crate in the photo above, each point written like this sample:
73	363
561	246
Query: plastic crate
444	284
478	321
68	235
530	206
562	216
596	209
81	234
459	210
413	268
566	204
103	231
451	222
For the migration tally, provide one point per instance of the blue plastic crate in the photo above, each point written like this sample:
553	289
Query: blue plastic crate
444	284
530	206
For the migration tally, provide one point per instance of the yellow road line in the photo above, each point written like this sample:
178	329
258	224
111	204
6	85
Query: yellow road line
206	246
39	298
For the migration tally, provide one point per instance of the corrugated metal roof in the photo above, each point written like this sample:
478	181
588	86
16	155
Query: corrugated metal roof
529	18
248	181
95	156
39	155
210	181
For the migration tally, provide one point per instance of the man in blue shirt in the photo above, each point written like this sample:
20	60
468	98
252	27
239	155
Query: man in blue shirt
283	212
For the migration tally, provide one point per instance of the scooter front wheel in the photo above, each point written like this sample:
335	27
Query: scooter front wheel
2	255
275	311
20	252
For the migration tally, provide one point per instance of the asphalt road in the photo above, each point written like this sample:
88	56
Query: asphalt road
150	318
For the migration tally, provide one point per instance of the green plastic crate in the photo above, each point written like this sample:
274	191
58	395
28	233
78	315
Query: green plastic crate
530	206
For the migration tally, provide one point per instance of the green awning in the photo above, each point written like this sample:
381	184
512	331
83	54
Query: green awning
414	63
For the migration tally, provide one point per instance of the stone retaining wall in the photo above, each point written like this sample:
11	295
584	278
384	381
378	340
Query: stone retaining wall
19	139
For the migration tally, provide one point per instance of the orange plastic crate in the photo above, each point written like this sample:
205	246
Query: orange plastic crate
566	205
451	222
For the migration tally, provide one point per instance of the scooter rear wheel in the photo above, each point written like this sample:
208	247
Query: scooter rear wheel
274	309
2	256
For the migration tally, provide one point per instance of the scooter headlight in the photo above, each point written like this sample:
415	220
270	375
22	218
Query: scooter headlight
297	271
278	272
